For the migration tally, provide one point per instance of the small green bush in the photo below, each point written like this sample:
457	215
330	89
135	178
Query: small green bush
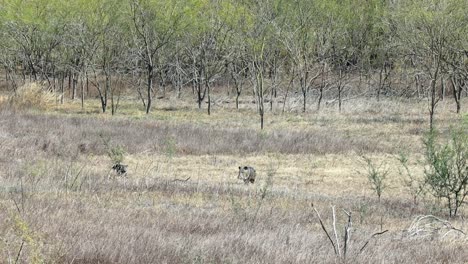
414	184
446	172
116	154
376	175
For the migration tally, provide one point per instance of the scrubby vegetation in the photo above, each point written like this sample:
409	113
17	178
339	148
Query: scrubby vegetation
123	125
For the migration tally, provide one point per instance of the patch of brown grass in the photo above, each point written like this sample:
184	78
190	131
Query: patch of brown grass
32	96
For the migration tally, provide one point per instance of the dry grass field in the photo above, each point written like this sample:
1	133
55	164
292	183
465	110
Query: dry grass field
181	201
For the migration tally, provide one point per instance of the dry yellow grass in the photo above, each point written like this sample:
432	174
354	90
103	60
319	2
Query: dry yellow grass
32	95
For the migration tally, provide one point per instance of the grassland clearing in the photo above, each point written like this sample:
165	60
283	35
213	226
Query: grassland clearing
181	201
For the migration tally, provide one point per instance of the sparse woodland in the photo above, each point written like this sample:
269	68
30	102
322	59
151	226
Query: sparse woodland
322	50
123	124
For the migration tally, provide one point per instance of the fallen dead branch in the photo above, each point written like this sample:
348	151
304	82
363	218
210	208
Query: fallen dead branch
431	226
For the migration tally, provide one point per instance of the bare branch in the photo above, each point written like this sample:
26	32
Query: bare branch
324	229
181	180
374	235
347	234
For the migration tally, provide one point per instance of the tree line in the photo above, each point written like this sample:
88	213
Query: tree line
411	48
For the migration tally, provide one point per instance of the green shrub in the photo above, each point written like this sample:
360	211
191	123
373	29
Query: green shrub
116	154
414	184
446	173
376	175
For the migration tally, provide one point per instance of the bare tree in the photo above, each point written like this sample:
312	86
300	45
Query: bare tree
237	71
154	26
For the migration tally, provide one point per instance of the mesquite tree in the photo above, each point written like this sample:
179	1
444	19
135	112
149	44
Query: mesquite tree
154	24
431	24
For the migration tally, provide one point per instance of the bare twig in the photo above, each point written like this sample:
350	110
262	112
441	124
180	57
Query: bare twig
324	229
347	234
16	204
181	180
19	252
76	176
374	235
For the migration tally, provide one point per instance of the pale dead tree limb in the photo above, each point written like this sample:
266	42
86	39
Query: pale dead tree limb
428	225
334	230
452	230
324	229
374	235
347	234
341	251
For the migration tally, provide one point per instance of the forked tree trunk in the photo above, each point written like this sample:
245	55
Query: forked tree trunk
258	91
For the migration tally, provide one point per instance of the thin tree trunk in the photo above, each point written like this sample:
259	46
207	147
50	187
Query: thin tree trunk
6	77
140	94
112	99
291	83
271	98
340	88
259	92
434	100
87	84
82	93
456	89
379	89
442	93
209	98
304	92
417	86
261	120
149	87
433	103
62	84
54	84
74	84
69	84
319	102
199	94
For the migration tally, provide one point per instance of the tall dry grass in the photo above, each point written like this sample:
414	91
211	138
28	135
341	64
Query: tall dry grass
59	205
126	221
67	136
32	95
